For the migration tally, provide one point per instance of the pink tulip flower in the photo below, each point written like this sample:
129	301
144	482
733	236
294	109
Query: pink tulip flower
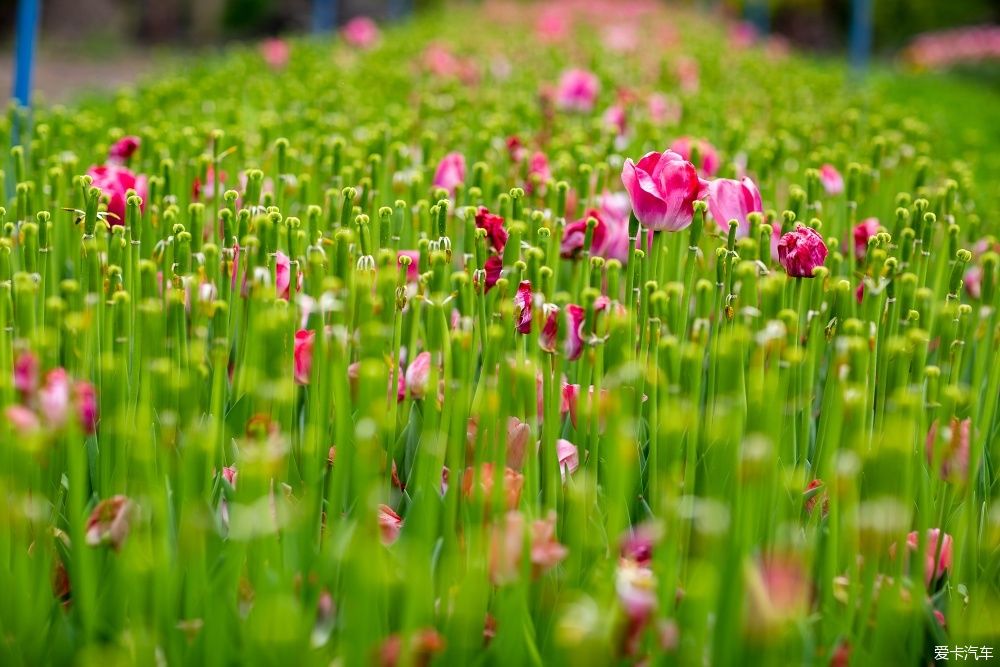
801	250
663	188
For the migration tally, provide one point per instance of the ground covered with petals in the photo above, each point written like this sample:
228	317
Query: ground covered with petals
599	334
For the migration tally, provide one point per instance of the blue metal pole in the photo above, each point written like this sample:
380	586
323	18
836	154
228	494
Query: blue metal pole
861	33
27	29
758	12
324	15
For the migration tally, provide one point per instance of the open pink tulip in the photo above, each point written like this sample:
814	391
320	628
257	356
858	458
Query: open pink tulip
800	251
303	355
418	375
573	318
578	90
450	172
663	188
733	200
831	179
936	563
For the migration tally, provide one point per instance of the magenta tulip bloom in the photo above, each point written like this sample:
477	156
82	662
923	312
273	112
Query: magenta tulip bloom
304	339
733	200
360	32
708	156
86	406
282	275
114	181
493	269
575	235
522	307
418	375
800	251
450	172
54	397
578	90
413	269
123	149
663	188
26	373
831	179
863	231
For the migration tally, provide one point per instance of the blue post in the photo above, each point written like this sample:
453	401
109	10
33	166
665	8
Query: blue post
758	13
324	15
399	9
861	33
27	28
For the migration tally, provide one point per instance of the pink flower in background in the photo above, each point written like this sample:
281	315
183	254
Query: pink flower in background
546	551
578	90
614	212
389	524
636	588
522	307
733	200
574	236
573	318
229	474
663	188
800	251
26	373
496	233
863	231
569	457
123	150
418	375
539	172
114	182
687	75
86	406
708	157
615	117
743	35
506	547
282	275
621	38
936	564
973	281
450	172
955	439
515	148
54	397
23	420
552	25
413	269
439	60
664	110
303	354
831	179
518	437
109	522
360	32
275	52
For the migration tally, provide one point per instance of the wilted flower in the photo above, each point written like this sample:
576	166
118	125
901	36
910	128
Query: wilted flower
573	318
578	90
109	522
663	188
389	524
800	251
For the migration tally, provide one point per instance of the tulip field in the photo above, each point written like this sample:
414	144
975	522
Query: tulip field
574	333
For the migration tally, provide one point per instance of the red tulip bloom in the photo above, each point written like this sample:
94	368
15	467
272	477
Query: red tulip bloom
801	250
663	188
496	233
